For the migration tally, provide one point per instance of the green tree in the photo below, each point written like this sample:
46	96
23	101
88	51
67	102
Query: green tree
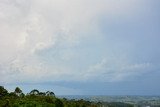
59	103
52	94
7	103
49	93
3	91
49	99
34	92
18	91
42	93
12	95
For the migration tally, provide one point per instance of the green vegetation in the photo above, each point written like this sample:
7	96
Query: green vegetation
47	99
37	99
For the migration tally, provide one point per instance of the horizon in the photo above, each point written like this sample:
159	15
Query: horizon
81	47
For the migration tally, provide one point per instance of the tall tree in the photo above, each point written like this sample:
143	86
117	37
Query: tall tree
3	91
18	91
34	92
50	93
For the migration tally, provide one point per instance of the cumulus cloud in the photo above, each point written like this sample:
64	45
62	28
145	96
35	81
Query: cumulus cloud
30	27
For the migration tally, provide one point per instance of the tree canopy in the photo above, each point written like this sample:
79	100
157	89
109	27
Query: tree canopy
44	99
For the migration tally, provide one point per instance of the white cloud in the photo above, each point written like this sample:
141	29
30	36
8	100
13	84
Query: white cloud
28	27
117	70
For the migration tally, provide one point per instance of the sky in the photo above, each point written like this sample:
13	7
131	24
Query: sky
81	47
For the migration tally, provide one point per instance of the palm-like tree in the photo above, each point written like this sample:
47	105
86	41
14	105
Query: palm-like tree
34	92
49	93
18	91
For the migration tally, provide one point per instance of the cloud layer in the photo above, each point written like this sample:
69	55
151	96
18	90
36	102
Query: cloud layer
54	40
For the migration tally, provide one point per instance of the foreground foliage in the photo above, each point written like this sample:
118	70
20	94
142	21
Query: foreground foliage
45	99
37	99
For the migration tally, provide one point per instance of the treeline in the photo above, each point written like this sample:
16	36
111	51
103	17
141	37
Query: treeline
38	99
35	98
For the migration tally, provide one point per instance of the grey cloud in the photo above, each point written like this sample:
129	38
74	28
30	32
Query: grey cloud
29	27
